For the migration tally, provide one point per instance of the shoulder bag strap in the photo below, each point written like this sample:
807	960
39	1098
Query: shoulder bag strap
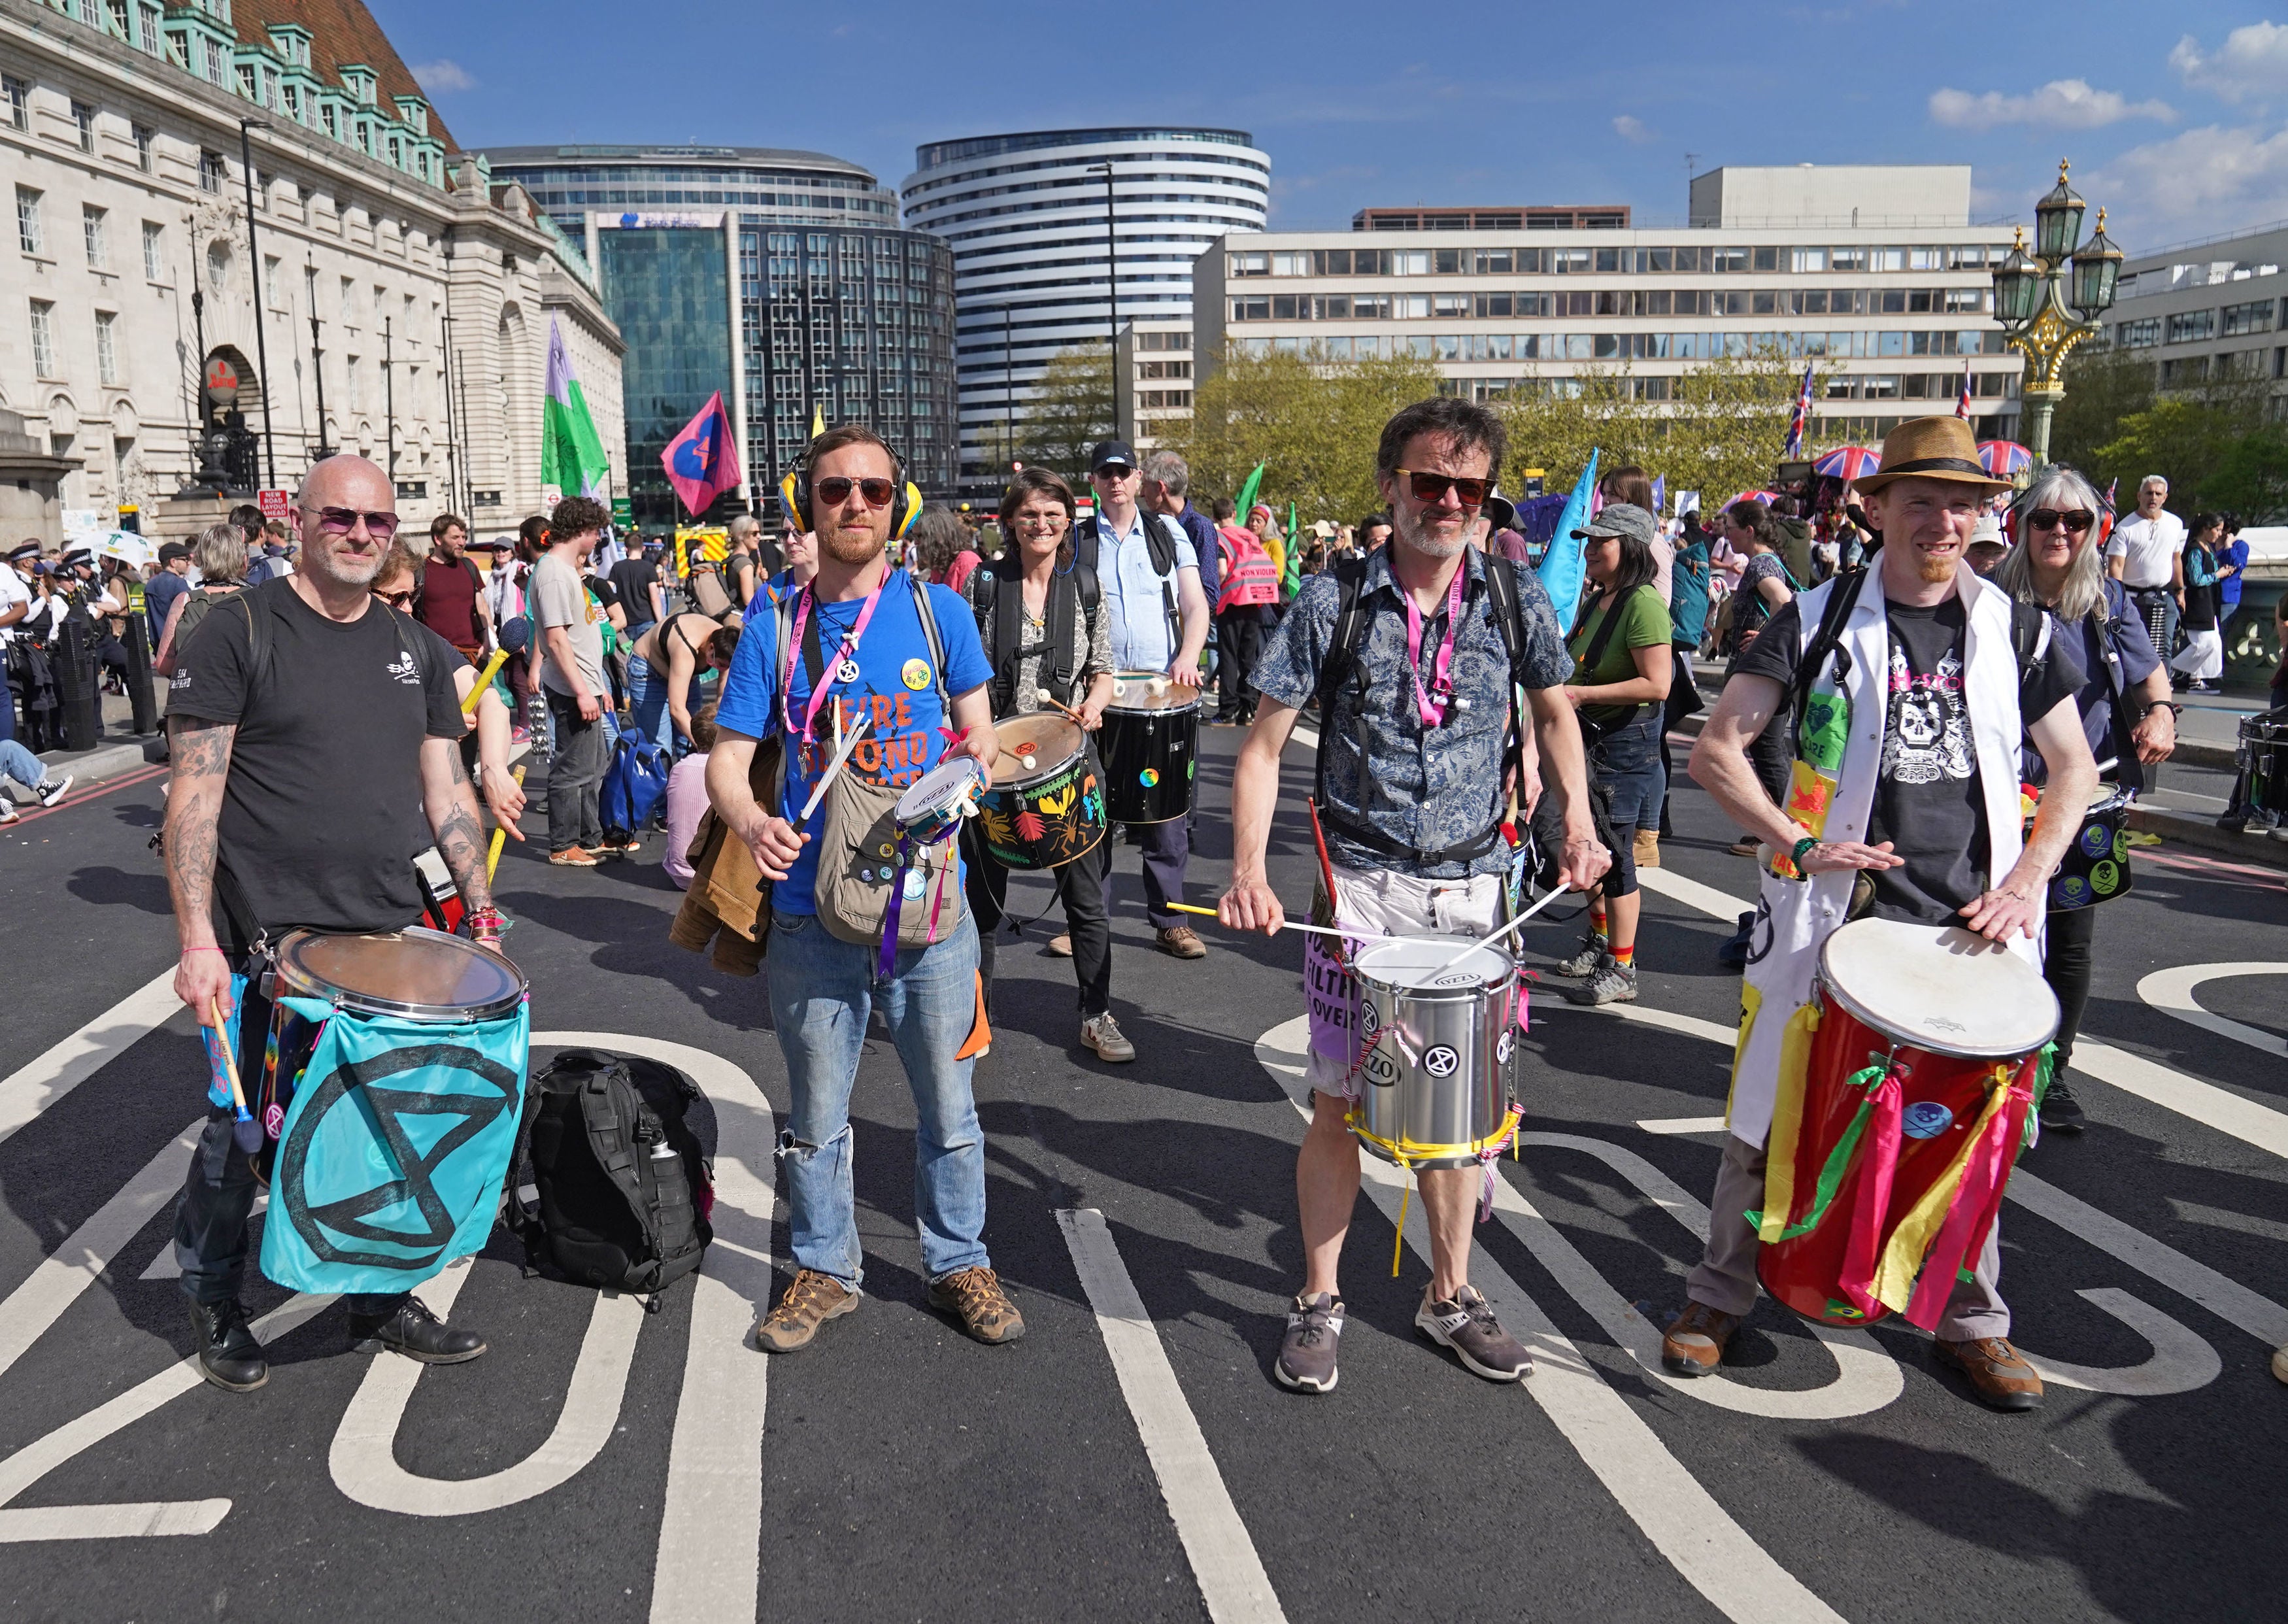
1008	639
1063	599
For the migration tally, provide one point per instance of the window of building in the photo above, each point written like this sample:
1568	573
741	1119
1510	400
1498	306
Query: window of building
1726	259
214	173
44	339
1249	265
84	122
154	255
20	101
2255	316
107	348
143	147
2192	326
353	375
1806	258
96	238
270	282
27	219
154	38
349	302
1848	259
2138	335
1566	261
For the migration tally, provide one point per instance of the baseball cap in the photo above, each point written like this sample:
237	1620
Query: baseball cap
1619	518
1110	453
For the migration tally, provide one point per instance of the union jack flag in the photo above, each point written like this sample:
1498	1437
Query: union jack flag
1799	424
1962	401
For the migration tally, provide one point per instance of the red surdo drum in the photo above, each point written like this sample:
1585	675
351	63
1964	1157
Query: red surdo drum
1885	1171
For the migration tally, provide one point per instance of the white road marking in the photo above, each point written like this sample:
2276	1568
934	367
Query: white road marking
2180	1361
2172	992
33	1462
32	1088
72	1267
1681	1519
1678	888
2225	1218
1223	1557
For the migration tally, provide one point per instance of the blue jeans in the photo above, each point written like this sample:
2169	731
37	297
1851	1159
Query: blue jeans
647	703
822	990
21	764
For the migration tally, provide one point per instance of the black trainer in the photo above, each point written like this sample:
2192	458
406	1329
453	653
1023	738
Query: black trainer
2061	1113
415	1333
229	1355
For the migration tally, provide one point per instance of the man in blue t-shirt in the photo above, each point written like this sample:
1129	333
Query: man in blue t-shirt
872	657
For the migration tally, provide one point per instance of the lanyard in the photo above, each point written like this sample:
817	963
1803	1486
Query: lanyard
827	676
1432	702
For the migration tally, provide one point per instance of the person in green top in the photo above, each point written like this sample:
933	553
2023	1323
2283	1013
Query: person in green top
1622	669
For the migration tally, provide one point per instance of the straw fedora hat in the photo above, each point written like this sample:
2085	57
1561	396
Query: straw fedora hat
1932	449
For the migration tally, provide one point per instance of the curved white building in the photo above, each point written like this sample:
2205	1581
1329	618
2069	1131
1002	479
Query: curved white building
1026	218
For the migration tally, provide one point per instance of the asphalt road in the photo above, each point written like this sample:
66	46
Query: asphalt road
1131	1458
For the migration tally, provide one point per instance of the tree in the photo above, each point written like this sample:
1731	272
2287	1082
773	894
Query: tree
1071	409
2217	447
2104	384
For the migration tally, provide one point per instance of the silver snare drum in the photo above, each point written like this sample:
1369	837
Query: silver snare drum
1441	1042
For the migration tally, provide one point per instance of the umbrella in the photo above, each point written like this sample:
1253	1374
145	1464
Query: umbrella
127	547
2004	457
1848	462
1753	496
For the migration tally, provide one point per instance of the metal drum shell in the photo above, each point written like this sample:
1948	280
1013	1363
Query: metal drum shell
1407	1111
1162	743
445	979
2263	756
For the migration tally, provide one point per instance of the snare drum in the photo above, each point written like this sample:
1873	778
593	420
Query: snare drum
2263	755
935	804
1441	1046
1151	732
1045	806
1884	1176
2095	868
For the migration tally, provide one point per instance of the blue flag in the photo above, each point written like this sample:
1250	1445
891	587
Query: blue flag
1560	566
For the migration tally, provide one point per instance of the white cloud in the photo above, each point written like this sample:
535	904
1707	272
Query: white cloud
2062	104
1632	130
2251	66
444	75
2204	182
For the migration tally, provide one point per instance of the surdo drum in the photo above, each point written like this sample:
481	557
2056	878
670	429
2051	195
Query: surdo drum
1151	732
1438	1046
1045	806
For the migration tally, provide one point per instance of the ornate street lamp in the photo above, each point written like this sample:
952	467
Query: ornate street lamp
2031	300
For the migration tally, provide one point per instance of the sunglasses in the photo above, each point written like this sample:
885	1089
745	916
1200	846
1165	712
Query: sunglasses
835	489
342	520
397	600
1432	487
2077	521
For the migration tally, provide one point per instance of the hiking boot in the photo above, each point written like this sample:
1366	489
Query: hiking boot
809	1302
1060	945
1465	1323
229	1355
2061	1113
974	1296
1306	1353
54	789
412	1330
1693	1345
1596	947
574	856
1998	1373
1180	941
1101	1033
1614	982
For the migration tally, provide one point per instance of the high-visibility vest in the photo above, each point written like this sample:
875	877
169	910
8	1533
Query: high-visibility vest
1250	577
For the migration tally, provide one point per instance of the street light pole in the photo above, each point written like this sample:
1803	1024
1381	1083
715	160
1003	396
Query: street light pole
2031	300
1111	258
318	372
1008	391
246	126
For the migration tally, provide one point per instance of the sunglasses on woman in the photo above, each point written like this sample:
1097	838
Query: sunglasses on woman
397	600
1431	489
2075	521
342	520
835	489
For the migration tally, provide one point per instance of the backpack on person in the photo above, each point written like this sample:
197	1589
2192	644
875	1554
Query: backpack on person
613	1188
634	783
1000	627
707	591
1159	544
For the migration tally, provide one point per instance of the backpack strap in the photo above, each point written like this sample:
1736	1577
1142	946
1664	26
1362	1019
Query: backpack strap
1842	597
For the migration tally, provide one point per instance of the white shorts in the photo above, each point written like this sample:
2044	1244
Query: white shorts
1394	904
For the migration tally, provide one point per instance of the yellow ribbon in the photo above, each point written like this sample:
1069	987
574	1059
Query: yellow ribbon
1911	1243
1787	1121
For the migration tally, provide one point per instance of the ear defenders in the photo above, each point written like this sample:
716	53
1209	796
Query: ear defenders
905	507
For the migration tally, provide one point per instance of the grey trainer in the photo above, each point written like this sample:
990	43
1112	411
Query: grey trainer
1614	982
1465	1323
1595	947
1306	1355
1102	1033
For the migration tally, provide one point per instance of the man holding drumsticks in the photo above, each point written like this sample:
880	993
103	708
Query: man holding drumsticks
1417	739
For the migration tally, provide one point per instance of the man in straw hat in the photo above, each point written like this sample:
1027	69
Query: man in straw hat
1921	823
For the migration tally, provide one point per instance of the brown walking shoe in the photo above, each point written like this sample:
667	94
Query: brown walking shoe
1998	1373
974	1296
1180	941
808	1303
1694	1343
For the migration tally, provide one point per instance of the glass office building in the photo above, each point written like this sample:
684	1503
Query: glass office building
781	278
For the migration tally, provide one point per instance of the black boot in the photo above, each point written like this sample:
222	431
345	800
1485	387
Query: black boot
413	1331
229	1355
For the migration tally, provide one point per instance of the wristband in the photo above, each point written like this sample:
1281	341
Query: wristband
1802	849
188	950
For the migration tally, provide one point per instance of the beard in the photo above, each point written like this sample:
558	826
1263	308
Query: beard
1937	569
343	569
1415	534
844	548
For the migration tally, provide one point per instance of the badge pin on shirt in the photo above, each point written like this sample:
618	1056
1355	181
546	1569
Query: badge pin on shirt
846	672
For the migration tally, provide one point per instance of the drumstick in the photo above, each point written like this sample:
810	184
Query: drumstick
500	834
1554	894
246	1132
1043	696
850	744
484	681
1315	930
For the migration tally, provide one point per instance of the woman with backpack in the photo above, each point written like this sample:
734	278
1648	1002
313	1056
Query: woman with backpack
2201	661
1765	588
1622	669
220	556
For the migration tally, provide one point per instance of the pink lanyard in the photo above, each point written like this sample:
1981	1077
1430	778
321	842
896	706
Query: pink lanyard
1432	702
827	677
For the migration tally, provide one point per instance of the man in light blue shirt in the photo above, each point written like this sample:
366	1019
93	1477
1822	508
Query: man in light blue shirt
1159	622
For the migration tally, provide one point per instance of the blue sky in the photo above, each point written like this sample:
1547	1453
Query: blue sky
2175	115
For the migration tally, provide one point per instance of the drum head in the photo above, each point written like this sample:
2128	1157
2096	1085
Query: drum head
1033	747
1421	964
421	974
1939	988
1149	691
937	788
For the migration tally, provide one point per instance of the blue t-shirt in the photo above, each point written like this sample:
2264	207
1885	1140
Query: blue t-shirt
893	680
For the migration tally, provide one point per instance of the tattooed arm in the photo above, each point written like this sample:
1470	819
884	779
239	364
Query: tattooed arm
451	806
200	754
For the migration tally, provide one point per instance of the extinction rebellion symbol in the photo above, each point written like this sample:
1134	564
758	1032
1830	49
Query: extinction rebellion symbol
1440	1061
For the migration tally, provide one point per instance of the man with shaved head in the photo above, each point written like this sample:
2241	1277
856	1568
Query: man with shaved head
314	736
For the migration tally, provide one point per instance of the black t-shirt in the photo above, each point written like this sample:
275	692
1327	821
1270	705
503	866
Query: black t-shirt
1929	801
634	578
321	811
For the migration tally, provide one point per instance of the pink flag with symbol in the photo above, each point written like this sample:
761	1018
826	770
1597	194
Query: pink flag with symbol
703	461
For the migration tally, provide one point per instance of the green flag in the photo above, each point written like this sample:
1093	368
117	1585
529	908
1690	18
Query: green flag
571	455
1291	580
1247	489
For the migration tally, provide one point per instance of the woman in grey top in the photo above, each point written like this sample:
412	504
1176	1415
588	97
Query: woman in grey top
1040	636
